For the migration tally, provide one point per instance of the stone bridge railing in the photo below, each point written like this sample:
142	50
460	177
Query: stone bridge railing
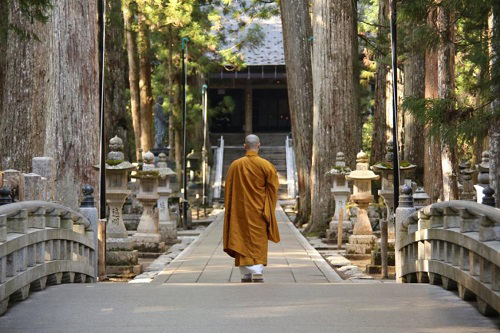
455	244
43	243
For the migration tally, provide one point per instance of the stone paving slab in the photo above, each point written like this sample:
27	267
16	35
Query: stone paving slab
293	260
236	307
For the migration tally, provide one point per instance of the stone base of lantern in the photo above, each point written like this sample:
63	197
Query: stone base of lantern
332	232
168	232
148	242
121	259
361	244
124	271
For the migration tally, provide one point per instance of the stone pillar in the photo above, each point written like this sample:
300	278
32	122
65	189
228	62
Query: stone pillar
46	167
33	187
88	209
248	109
404	210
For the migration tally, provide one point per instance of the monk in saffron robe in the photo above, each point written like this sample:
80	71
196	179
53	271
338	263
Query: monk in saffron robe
250	219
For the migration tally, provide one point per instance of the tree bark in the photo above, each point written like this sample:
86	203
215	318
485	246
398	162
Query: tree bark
147	129
171	136
51	105
130	10
296	32
446	84
335	113
4	18
433	176
380	109
115	104
413	140
495	105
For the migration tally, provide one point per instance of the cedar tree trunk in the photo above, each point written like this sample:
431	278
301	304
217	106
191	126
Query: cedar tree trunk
296	32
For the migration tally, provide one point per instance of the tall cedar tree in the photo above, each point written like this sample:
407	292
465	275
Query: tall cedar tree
495	105
336	121
381	91
50	106
296	33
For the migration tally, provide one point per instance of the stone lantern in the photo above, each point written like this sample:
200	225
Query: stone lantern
120	259
387	191
167	226
483	177
148	161
147	237
341	192
467	191
193	159
421	198
362	239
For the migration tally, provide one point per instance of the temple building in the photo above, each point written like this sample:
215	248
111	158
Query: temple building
253	100
258	93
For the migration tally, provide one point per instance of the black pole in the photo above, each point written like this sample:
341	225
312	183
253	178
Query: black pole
185	40
395	144
102	156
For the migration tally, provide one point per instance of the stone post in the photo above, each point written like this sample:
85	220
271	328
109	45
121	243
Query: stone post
33	187
88	209
489	196
46	167
404	210
362	240
341	192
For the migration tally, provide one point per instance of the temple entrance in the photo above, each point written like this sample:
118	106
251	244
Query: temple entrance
270	110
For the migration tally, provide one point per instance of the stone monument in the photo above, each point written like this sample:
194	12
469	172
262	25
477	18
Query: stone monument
161	123
121	259
341	192
362	240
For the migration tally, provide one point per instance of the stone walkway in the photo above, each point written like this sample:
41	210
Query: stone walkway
199	292
293	260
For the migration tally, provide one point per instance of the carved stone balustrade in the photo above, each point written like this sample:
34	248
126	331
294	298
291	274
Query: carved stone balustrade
43	243
453	243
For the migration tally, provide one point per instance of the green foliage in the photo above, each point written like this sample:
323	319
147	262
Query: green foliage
466	116
224	109
453	125
367	135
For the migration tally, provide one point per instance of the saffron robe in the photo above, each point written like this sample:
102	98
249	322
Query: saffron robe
251	193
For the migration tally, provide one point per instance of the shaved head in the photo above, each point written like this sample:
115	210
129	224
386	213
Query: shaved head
252	142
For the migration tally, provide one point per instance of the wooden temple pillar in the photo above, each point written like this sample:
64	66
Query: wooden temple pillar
248	108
